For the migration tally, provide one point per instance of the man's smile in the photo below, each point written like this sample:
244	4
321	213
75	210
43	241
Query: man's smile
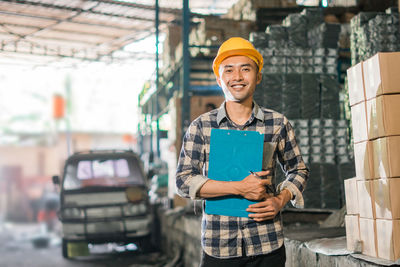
238	86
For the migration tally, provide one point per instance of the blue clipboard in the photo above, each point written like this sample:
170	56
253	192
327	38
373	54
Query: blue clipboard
233	154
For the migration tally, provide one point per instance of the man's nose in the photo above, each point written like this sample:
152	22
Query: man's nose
237	75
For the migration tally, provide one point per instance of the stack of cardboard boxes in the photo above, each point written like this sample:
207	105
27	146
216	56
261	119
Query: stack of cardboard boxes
372	198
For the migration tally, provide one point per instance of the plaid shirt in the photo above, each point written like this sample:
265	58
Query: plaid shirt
226	236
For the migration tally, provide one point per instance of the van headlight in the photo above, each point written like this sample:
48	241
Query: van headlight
73	213
135	209
135	194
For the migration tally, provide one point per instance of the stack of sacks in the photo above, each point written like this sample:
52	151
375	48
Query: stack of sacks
372	198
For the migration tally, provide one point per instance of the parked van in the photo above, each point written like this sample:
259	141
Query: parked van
104	198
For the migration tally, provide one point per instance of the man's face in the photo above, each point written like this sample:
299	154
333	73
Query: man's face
238	78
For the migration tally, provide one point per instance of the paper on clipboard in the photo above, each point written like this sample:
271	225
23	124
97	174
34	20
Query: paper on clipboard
233	154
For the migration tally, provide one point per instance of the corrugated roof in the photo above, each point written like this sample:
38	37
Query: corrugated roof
92	30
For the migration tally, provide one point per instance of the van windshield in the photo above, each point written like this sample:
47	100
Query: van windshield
102	172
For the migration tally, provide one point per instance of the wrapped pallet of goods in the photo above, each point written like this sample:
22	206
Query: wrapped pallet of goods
300	75
374	98
373	32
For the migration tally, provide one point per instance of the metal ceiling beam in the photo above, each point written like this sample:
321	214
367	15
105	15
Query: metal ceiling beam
140	6
46	53
58	30
79	10
49	27
55	19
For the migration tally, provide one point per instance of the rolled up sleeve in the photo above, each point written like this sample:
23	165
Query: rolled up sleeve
296	171
189	173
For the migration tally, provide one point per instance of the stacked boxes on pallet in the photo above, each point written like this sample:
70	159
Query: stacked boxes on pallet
372	199
300	80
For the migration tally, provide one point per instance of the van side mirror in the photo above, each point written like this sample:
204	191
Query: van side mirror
56	179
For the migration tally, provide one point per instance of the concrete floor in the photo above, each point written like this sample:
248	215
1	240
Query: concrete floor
17	250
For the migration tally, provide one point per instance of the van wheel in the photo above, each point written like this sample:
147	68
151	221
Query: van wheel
145	246
64	245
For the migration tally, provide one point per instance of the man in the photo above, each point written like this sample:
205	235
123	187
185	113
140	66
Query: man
258	239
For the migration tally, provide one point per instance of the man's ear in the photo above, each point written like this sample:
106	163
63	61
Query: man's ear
218	79
259	78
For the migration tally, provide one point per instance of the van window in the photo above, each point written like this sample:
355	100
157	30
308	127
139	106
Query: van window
102	172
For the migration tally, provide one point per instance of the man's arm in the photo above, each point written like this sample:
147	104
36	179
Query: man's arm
295	169
189	174
251	187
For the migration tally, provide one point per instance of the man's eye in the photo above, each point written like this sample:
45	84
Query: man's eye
246	69
228	71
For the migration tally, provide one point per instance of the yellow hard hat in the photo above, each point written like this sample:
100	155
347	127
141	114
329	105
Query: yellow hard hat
237	46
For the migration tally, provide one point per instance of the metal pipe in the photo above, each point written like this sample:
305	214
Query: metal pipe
185	103
157	22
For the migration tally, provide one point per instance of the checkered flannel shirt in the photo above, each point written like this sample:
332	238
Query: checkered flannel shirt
226	236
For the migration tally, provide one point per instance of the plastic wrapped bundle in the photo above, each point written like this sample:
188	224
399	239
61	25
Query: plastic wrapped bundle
384	33
278	36
330	187
259	39
359	37
297	30
299	61
274	60
325	61
271	88
314	17
310	99
312	193
291	94
324	35
329	97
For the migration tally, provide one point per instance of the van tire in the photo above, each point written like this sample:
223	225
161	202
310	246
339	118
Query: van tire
64	244
146	246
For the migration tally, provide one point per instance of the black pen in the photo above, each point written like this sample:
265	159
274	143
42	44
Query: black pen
255	174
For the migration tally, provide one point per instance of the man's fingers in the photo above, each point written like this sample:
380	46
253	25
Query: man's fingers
262	206
263	173
266	181
262	216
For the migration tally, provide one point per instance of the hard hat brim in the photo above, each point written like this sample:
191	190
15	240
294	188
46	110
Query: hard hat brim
250	53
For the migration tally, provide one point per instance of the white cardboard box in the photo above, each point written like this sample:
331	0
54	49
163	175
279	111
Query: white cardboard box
368	237
352	232
366	199
388	239
350	189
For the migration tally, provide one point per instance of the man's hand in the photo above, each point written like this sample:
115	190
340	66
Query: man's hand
251	187
254	188
269	208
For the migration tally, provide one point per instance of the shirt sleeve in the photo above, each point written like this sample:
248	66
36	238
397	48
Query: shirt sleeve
189	173
293	165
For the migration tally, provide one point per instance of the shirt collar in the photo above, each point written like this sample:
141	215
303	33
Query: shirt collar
257	112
